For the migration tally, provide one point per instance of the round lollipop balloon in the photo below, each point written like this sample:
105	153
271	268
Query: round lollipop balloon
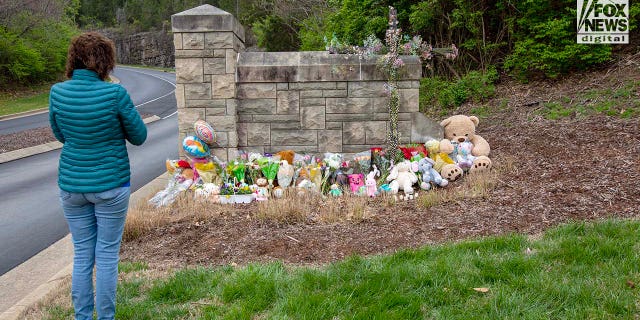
204	131
195	147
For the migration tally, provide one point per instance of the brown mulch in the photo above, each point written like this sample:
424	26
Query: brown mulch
551	172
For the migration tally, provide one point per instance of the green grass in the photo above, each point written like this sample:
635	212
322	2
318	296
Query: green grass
576	271
11	105
623	102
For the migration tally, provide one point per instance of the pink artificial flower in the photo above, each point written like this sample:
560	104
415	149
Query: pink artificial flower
398	63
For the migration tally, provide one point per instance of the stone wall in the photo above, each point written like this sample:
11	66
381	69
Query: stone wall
154	48
271	101
317	102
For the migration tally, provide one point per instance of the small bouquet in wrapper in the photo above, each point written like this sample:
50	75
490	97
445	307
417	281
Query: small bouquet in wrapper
238	170
379	159
207	171
412	149
270	170
362	162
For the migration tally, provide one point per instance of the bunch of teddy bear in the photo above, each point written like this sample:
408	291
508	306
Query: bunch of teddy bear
461	151
370	173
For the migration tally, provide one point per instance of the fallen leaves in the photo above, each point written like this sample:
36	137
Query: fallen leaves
483	290
630	284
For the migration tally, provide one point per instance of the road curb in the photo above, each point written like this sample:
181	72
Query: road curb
23	114
46	147
58	254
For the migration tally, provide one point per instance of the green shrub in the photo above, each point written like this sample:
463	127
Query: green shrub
441	94
33	47
271	35
545	41
18	61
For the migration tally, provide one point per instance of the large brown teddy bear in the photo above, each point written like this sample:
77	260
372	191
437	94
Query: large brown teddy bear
462	129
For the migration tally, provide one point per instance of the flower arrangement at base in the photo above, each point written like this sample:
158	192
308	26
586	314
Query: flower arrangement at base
236	193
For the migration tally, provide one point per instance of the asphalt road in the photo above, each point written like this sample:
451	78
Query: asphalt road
30	215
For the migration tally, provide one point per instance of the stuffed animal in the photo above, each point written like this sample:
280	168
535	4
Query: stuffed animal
285	174
286	155
402	178
440	158
464	158
335	190
262	193
459	129
303	174
429	174
278	192
370	182
356	181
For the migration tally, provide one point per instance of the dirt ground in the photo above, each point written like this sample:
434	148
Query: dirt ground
552	171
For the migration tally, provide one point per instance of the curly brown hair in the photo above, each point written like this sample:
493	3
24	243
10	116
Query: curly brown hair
91	51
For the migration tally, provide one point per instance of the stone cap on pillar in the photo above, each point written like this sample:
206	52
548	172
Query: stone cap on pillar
306	66
206	18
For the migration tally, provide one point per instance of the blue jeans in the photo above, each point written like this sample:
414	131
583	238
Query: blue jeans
96	222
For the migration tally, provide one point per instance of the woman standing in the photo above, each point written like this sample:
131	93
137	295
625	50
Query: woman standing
92	118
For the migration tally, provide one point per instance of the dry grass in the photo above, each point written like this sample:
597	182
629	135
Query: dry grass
60	297
144	217
312	207
472	186
296	207
291	208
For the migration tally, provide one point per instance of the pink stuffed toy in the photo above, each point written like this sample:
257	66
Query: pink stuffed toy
355	182
372	188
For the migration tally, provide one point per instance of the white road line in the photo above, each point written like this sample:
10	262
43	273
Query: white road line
158	98
174	113
149	74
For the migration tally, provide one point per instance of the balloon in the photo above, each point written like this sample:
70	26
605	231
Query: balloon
195	147
204	131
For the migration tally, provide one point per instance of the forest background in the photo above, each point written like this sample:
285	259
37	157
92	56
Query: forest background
526	39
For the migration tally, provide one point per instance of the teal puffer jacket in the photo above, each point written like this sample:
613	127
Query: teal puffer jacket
92	118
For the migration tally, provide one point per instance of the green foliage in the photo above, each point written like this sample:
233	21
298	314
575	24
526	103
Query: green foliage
33	44
546	41
437	93
18	60
355	20
312	34
140	15
272	36
480	28
531	37
634	15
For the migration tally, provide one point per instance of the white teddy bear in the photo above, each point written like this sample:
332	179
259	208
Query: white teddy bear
402	178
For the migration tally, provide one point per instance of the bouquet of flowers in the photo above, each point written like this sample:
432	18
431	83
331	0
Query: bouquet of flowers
238	169
362	162
270	170
379	159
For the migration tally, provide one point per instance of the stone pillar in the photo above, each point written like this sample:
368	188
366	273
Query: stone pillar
207	42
